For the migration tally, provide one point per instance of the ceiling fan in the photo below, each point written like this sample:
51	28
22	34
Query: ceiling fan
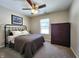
34	6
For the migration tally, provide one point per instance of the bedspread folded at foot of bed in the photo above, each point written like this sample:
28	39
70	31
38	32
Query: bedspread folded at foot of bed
28	44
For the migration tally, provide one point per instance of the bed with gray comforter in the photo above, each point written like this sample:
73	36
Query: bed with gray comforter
28	45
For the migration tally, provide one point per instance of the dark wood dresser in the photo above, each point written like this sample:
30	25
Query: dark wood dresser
60	34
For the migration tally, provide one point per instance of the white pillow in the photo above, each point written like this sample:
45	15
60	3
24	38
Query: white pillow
25	32
16	33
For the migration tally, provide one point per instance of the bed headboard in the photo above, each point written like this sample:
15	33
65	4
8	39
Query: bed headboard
10	27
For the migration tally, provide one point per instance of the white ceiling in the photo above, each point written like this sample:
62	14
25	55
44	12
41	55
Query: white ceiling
51	5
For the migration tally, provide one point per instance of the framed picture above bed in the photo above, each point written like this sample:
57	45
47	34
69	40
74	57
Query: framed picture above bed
16	20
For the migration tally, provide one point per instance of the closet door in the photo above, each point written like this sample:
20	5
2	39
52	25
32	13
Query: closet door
60	34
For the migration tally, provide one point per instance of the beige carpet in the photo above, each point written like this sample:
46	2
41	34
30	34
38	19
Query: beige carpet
47	51
54	51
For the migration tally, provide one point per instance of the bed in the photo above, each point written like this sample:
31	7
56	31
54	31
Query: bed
23	42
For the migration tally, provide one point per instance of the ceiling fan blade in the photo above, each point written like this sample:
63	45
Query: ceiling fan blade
29	1
26	9
42	6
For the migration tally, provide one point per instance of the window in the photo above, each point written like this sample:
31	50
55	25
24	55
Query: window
44	26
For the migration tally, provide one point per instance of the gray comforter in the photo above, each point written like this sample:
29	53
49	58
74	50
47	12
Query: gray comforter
27	45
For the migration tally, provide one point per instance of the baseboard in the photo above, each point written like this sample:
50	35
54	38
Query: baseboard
47	40
74	52
1	46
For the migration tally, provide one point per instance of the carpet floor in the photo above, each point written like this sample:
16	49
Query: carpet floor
46	51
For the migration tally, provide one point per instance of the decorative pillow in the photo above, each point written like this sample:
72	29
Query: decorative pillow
10	34
25	32
16	33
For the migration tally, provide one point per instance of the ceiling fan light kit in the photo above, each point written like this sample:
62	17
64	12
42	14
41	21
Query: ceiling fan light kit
34	11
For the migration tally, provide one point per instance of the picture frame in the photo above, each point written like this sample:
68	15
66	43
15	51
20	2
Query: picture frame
16	20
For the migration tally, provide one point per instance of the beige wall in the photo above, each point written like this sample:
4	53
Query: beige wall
74	19
5	18
57	17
